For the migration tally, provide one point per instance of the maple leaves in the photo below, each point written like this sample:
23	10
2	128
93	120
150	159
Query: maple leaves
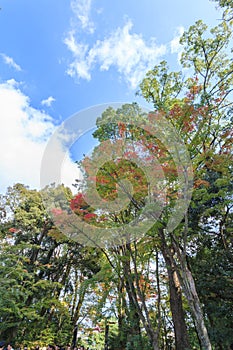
78	202
132	169
81	208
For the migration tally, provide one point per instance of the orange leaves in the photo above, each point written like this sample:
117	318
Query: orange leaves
13	230
130	154
188	126
121	128
195	89
185	115
145	286
169	168
200	182
227	141
176	111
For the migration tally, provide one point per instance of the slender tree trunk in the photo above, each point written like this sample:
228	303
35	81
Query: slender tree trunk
181	334
133	321
9	333
195	307
190	291
136	293
158	292
122	311
78	299
176	304
188	284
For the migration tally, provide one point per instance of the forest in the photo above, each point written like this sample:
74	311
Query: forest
165	286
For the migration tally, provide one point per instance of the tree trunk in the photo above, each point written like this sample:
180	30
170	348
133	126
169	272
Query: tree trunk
188	284
196	309
181	335
134	294
122	311
134	329
176	304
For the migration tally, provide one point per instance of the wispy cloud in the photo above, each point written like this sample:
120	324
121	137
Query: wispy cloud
128	52
82	9
48	101
175	45
24	134
10	62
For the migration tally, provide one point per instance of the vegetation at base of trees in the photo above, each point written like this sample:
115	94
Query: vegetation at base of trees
163	289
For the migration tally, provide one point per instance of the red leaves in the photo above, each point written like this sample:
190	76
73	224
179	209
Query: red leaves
13	230
57	211
78	202
176	111
97	329
89	216
122	128
131	154
82	208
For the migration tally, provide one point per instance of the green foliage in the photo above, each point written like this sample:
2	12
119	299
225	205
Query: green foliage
161	86
213	269
202	115
49	284
227	6
37	272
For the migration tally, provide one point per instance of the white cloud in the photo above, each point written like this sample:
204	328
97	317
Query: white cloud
175	45
81	9
127	52
48	101
80	65
24	134
10	62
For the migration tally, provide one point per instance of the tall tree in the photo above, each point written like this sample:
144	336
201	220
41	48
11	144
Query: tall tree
41	271
203	119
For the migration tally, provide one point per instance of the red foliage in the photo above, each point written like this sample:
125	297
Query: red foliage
90	216
77	202
97	329
122	128
13	230
102	181
57	211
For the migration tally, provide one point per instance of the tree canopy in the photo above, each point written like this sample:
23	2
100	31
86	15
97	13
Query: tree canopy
167	286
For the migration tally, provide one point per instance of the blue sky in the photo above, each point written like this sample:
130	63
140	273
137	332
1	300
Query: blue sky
60	57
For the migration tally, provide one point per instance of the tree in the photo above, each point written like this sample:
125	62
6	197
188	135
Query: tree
227	6
107	177
41	271
202	117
